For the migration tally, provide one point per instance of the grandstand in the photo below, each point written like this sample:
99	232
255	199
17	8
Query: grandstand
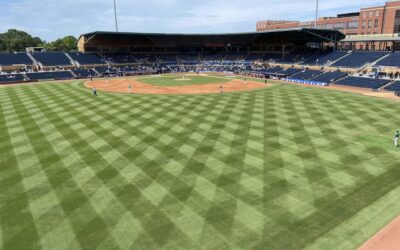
86	59
324	58
392	60
10	59
330	77
359	59
11	78
52	59
84	73
363	82
393	87
306	74
50	75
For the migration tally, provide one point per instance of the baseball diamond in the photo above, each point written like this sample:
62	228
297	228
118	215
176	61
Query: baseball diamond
284	167
210	125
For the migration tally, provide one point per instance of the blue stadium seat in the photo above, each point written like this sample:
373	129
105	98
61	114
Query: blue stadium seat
120	58
363	82
188	59
392	60
86	59
52	58
359	59
167	59
306	74
324	58
394	87
106	70
290	71
9	59
53	75
11	78
329	77
84	73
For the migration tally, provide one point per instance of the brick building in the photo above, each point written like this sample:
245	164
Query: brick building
372	28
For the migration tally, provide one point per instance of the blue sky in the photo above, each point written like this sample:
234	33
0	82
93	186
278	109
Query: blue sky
50	19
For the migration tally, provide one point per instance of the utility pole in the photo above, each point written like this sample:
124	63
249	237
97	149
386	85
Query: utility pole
316	14
115	14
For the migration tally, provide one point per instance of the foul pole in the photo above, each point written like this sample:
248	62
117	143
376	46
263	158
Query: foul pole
115	15
316	14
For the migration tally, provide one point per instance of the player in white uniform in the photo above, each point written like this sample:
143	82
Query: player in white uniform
396	139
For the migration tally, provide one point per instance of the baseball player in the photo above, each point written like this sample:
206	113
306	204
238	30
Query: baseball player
396	139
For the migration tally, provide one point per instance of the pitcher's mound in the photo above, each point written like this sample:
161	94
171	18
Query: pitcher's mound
183	79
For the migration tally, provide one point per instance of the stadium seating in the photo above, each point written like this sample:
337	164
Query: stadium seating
254	57
52	75
315	58
324	58
329	77
141	58
120	58
393	87
234	57
363	82
393	60
10	78
52	58
359	59
188	59
167	59
104	69
306	74
9	59
290	71
86	59
84	73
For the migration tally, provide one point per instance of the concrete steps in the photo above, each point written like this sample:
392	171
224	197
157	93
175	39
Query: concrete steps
331	63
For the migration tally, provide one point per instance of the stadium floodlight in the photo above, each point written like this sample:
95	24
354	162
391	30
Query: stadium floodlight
316	14
115	14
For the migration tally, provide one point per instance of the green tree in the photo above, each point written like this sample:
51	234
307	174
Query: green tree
16	40
67	43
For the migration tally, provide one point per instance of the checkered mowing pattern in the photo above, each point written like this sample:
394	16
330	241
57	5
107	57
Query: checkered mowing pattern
280	168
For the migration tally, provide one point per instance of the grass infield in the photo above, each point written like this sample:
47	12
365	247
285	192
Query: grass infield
285	167
178	80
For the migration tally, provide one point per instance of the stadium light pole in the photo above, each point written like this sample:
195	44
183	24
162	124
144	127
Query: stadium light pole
316	15
115	14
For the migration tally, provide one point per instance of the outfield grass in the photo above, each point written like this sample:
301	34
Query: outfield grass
285	167
175	80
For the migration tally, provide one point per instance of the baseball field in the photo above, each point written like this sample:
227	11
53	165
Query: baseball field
277	167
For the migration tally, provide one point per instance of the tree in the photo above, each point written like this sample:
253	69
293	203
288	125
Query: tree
2	45
67	43
16	40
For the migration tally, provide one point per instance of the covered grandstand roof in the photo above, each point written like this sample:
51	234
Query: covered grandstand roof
373	38
283	36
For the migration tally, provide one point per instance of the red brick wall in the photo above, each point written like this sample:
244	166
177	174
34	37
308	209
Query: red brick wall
372	20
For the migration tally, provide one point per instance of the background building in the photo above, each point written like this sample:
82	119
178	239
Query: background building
372	28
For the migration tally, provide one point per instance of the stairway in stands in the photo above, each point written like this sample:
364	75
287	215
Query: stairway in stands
387	85
35	62
75	63
331	63
380	59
